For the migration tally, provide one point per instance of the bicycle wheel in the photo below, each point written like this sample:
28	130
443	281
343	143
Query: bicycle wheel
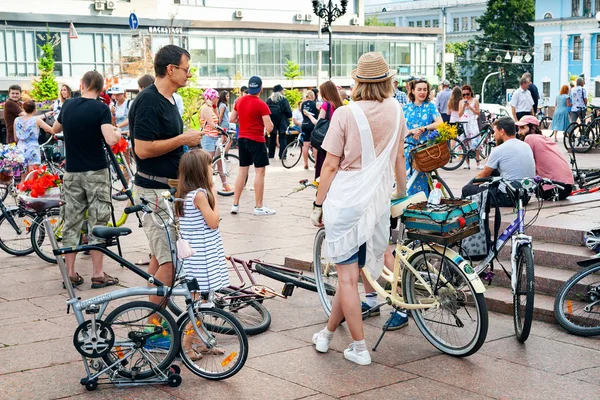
581	138
296	278
254	317
155	344
225	172
39	240
577	305
292	154
458	326
5	188
228	344
311	158
523	296
546	123
12	242
325	272
458	154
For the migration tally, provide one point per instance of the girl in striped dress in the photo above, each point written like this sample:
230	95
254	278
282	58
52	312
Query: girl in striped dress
199	221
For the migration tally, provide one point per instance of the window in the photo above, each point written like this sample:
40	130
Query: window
419	24
546	89
465	24
436	22
456	25
411	24
575	12
474	24
547	51
597	86
427	24
587	8
577	48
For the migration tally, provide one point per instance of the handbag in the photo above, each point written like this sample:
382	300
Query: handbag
318	134
184	250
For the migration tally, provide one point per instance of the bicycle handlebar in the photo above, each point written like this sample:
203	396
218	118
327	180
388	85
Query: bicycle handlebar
527	183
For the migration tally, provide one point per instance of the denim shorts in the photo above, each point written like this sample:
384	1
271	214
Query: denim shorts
209	143
360	256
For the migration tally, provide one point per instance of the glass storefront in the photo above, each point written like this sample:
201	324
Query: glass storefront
115	53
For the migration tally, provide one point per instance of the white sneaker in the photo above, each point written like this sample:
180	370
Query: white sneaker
358	357
480	167
321	343
235	209
263	211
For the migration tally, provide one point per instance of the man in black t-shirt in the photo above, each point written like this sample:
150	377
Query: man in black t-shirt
156	129
308	107
86	124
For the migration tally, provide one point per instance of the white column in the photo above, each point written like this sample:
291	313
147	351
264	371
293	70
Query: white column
587	60
564	60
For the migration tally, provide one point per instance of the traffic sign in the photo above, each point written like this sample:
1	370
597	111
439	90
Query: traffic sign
317	45
72	31
133	21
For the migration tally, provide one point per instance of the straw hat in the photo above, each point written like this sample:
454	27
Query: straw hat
372	68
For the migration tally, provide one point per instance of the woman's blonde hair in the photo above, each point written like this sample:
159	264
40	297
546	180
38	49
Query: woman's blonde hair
378	91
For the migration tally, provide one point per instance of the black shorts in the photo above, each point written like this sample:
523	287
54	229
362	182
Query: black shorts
252	152
306	131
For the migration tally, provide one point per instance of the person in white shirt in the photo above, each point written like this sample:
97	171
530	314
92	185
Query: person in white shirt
522	102
297	118
578	101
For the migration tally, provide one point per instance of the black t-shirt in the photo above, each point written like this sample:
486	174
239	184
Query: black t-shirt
311	107
82	119
153	117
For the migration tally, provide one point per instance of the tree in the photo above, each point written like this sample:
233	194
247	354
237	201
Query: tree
504	28
46	87
292	71
192	98
294	96
374	21
455	71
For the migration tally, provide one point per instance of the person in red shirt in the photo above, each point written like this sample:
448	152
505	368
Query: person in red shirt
12	110
252	116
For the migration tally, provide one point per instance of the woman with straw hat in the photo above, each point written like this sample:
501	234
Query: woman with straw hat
364	147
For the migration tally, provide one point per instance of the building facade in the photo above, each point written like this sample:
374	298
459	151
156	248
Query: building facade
567	44
225	38
461	17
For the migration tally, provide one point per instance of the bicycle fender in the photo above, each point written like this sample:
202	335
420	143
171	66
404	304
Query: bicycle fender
463	264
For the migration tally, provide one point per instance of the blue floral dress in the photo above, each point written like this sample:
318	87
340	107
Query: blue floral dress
416	117
27	134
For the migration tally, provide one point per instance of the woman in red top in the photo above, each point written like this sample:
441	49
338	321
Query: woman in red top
331	98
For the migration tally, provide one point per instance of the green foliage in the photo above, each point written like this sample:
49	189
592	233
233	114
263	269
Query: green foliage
292	71
294	96
504	28
455	70
46	87
237	84
374	21
192	100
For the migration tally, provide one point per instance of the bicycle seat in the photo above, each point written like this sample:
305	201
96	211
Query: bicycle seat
108	232
398	206
41	204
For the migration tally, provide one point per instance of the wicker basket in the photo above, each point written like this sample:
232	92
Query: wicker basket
427	159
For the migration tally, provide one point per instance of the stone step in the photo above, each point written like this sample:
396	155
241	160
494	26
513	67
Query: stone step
500	299
573	236
555	255
548	280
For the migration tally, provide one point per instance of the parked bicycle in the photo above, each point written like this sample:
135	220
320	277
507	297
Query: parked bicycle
225	165
466	148
293	152
543	117
582	136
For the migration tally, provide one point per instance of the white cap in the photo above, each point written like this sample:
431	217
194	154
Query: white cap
116	89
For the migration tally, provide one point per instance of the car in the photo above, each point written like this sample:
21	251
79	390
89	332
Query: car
496	110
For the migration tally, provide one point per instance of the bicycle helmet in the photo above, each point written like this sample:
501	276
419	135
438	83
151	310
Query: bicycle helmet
592	240
210	94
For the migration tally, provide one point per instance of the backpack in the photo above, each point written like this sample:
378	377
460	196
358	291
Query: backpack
477	246
276	111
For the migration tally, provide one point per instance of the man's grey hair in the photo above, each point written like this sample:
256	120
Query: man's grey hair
580	81
523	81
276	96
526	75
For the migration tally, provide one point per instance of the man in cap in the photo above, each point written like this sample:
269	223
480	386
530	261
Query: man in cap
252	116
441	102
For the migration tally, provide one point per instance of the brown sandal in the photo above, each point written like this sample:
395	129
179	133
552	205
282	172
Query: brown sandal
105	281
75	281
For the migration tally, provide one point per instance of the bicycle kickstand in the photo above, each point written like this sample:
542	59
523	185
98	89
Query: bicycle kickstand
385	328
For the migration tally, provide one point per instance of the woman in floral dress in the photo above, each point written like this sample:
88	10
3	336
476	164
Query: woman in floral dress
27	130
420	115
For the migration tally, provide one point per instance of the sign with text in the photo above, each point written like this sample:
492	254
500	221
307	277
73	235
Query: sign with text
317	45
169	30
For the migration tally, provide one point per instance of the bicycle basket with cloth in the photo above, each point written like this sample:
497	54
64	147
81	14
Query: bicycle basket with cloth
446	223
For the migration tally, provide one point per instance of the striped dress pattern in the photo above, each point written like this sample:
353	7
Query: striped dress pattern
208	265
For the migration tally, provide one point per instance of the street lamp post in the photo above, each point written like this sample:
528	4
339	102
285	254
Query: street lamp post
329	13
483	85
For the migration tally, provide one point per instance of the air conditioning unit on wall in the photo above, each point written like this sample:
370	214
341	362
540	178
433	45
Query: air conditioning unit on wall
111	4
299	17
239	14
308	17
355	21
99	5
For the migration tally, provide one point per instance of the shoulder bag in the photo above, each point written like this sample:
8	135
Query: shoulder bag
318	134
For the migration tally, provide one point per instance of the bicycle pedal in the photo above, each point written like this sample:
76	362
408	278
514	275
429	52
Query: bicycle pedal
288	289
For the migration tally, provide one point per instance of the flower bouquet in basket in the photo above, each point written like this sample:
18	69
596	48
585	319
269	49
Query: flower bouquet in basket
11	161
40	183
434	153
